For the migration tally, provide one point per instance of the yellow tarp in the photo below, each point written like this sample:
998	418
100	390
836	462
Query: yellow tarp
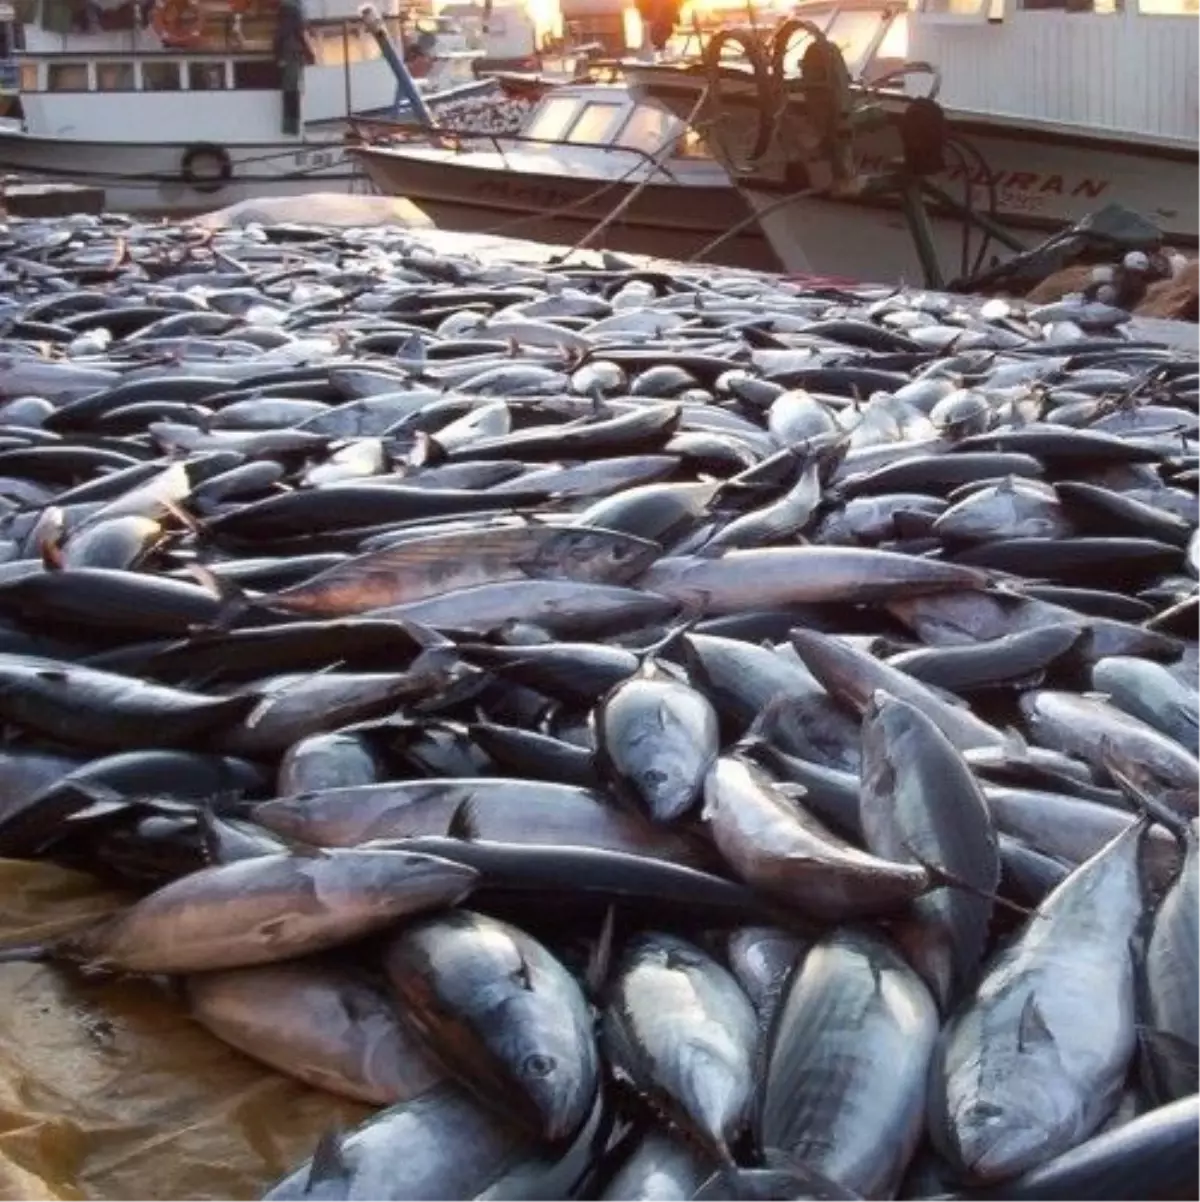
109	1090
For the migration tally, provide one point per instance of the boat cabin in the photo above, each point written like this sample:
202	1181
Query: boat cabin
582	122
86	72
1125	66
591	130
10	72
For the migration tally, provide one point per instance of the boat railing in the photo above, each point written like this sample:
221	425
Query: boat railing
454	139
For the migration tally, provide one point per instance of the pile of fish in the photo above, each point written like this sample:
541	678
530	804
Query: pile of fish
653	733
495	112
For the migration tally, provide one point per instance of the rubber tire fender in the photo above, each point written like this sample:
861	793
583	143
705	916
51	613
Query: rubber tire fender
206	182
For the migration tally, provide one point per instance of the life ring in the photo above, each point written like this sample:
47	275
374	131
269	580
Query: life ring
178	22
206	168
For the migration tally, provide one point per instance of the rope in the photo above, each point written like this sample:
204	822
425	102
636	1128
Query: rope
751	219
657	160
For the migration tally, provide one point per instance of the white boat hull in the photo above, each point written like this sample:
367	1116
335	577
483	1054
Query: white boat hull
148	179
843	240
1040	188
1044	176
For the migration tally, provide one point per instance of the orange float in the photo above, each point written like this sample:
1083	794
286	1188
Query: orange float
178	22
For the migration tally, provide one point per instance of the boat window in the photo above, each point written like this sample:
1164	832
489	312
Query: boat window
1076	6
337	48
66	77
649	129
29	77
160	77
692	145
960	8
1169	8
206	77
594	127
115	77
554	118
256	76
331	51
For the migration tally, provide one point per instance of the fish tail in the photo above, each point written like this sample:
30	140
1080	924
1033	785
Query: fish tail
941	878
234	601
1128	777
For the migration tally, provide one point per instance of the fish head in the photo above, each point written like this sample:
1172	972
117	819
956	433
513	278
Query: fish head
594	555
1000	1138
555	1068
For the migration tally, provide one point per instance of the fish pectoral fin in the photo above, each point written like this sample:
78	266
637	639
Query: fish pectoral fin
792	791
426	637
600	958
271	930
1014	742
764	722
1032	1031
328	1163
1181	713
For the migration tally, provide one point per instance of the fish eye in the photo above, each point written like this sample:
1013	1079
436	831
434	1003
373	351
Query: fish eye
538	1065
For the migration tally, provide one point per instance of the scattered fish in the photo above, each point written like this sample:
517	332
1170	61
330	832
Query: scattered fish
798	685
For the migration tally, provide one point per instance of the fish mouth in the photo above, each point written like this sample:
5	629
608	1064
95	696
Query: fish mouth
995	1143
555	1114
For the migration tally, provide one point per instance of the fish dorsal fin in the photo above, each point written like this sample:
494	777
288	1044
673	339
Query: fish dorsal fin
1032	1031
328	1162
464	822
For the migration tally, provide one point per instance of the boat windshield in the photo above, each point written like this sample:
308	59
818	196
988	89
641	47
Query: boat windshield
867	32
552	118
578	119
598	122
649	129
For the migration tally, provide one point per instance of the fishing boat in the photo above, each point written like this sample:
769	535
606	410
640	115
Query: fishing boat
588	162
181	106
1009	118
